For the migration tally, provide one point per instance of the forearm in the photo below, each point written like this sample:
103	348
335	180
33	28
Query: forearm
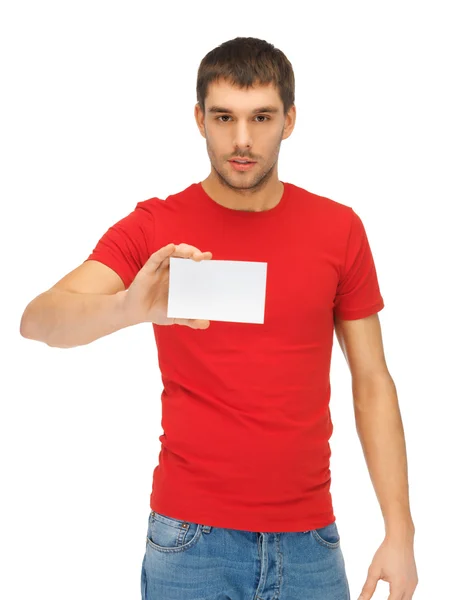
380	430
68	319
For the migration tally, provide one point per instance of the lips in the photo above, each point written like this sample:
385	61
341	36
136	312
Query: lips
246	166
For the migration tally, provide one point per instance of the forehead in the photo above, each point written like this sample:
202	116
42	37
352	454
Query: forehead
227	94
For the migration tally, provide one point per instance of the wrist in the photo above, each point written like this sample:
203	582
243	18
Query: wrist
401	529
124	315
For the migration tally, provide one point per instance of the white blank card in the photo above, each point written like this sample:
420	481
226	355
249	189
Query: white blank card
217	290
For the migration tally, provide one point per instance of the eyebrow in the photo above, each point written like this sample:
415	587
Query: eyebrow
220	109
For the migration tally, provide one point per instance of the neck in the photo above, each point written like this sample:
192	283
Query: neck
253	199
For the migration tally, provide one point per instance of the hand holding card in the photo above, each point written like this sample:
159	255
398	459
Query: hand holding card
146	300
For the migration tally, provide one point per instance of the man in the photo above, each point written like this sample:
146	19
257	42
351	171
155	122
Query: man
241	503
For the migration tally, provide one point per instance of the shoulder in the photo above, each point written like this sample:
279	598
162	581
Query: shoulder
332	214
162	205
318	201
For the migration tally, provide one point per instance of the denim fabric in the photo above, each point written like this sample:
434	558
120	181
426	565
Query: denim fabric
193	561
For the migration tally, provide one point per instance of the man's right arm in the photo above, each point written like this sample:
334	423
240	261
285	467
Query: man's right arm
83	306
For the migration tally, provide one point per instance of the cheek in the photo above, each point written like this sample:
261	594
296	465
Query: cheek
218	147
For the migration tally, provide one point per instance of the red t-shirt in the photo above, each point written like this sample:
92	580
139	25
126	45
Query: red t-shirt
245	407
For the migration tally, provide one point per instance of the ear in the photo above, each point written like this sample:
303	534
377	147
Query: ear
290	121
199	118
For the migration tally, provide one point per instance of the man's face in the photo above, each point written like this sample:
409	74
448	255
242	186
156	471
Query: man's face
232	129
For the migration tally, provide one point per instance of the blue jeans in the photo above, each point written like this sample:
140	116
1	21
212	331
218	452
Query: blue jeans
193	561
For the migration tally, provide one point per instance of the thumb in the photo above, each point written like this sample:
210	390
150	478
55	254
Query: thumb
369	587
158	259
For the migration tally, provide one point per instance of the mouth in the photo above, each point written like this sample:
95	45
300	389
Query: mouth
242	166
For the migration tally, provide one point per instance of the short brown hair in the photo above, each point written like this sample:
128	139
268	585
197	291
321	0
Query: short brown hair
245	61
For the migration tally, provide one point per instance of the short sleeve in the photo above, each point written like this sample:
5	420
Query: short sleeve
124	246
358	293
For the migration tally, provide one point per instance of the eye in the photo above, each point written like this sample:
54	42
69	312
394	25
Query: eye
261	116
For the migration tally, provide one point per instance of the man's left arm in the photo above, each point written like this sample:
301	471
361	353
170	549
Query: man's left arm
381	433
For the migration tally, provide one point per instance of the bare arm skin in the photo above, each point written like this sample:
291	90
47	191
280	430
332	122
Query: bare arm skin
378	421
83	306
91	301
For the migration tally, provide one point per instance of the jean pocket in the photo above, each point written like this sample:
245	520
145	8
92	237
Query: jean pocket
167	534
327	536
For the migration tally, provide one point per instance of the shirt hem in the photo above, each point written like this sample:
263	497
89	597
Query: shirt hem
244	524
360	313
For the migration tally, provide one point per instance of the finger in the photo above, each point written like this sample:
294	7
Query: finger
369	587
160	258
157	259
188	251
396	594
193	323
410	592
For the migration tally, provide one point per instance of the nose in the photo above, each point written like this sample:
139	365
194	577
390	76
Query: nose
242	137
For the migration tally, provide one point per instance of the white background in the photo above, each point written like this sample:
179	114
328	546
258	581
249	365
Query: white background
97	114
